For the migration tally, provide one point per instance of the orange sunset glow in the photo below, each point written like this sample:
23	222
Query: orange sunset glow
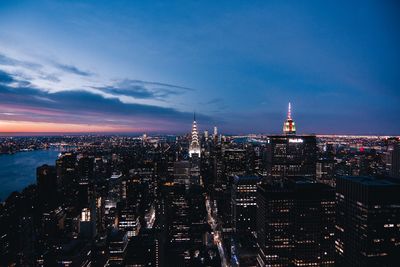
36	127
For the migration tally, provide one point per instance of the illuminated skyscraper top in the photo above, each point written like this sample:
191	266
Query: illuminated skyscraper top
289	126
194	147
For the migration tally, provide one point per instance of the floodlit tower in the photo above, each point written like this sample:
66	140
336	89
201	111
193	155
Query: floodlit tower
289	125
194	147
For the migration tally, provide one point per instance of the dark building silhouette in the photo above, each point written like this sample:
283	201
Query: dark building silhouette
367	222
66	170
46	180
325	169
145	250
244	216
393	157
85	169
234	161
295	223
142	201
244	206
291	156
117	246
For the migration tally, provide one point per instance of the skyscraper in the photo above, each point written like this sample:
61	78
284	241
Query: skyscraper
289	125
295	223
46	179
393	157
367	222
244	190
194	147
291	155
244	217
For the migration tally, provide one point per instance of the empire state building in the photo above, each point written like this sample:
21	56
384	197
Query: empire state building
194	147
289	127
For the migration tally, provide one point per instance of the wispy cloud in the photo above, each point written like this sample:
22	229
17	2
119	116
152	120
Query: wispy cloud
5	60
216	100
161	84
144	89
54	76
73	70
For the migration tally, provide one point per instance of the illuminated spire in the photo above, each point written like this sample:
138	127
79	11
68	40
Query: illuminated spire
194	147
289	125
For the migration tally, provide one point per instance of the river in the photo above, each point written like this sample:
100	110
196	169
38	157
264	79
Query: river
17	171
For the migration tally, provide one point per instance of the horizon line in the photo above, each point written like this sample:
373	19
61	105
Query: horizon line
105	133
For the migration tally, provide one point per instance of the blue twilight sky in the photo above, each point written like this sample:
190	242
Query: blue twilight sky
135	66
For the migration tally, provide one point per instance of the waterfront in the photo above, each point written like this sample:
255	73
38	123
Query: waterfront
17	171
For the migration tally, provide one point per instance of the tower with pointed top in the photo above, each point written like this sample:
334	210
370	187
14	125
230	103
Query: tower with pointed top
289	127
194	147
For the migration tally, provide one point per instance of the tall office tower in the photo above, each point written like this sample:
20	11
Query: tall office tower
217	164
295	223
244	206
87	226
325	170
393	160
244	217
234	160
182	172
46	179
145	249
66	170
215	134
85	169
206	135
128	221
367	222
175	220
117	244
289	125
291	155
194	147
183	216
195	177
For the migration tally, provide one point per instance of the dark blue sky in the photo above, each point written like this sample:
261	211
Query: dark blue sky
147	65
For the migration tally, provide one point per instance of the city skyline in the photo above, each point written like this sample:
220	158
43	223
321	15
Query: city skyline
199	133
135	67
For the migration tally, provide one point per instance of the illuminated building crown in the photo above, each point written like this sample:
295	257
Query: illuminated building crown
194	147
289	126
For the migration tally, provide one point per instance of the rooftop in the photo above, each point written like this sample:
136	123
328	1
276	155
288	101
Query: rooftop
371	181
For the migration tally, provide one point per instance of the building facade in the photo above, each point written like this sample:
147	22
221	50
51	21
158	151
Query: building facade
367	221
295	223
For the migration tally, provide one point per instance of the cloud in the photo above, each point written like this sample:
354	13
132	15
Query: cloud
50	79
73	70
213	101
4	60
143	89
5	78
134	91
161	84
29	103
